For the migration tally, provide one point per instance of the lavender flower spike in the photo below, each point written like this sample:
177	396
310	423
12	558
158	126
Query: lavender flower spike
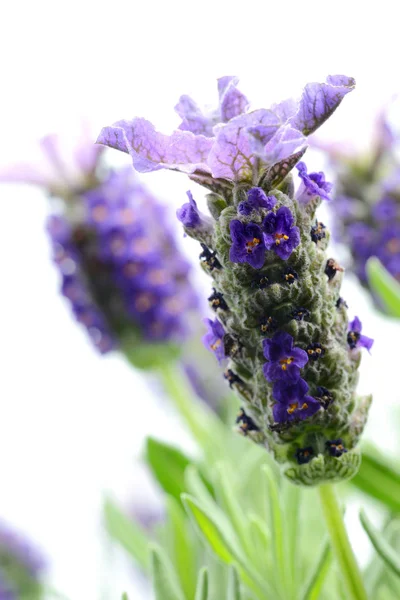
281	329
121	271
366	202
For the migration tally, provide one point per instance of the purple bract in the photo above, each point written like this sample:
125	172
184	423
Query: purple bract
242	144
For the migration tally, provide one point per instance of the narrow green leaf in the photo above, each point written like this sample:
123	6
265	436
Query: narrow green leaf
278	537
125	531
165	583
385	551
379	479
313	587
229	502
168	465
385	286
181	546
234	592
221	538
376	572
217	539
196	486
202	585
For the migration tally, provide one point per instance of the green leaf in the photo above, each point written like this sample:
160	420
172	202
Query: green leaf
127	533
181	546
278	532
229	503
385	551
197	487
202	585
217	539
221	538
233	592
165	583
379	479
313	587
168	465
384	286
125	596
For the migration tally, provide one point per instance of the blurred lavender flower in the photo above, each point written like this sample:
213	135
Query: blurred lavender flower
275	291
121	268
366	202
21	566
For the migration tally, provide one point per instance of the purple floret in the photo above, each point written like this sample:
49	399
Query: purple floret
279	233
313	185
247	244
284	359
213	339
256	198
355	339
189	214
292	401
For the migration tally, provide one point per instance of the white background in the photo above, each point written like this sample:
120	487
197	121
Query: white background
72	423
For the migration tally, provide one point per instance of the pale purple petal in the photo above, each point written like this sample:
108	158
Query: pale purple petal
319	101
224	82
192	117
232	102
114	136
25	173
232	155
286	142
151	150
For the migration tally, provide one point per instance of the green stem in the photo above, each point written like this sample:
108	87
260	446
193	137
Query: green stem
340	543
198	417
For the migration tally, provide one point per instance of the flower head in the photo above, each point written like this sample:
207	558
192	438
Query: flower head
281	333
279	233
247	244
355	339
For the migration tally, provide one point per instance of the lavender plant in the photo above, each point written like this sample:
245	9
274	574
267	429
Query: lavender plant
281	328
367	202
21	566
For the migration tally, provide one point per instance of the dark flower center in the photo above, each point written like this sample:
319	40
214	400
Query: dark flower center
252	244
279	237
352	339
304	455
284	362
295	406
315	351
215	345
